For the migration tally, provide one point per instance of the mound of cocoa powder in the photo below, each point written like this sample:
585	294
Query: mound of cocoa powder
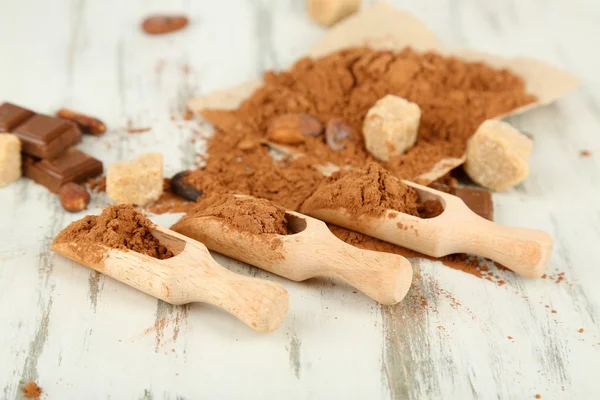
119	227
249	214
371	190
455	98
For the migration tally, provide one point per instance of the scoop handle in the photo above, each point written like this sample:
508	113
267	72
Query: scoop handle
192	275
384	277
260	304
525	251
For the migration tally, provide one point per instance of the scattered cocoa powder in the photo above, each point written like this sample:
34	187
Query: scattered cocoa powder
32	391
169	201
258	216
119	227
97	184
557	277
286	183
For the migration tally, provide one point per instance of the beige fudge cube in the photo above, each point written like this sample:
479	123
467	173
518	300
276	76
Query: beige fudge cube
497	155
391	126
136	182
10	158
328	12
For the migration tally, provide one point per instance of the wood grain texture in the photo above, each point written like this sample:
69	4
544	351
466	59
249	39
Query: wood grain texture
82	335
190	275
456	230
312	251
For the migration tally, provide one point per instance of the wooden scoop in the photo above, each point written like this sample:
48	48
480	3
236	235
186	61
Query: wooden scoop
456	230
191	275
312	251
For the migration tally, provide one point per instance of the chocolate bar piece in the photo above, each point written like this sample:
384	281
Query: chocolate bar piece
72	166
12	116
46	137
478	200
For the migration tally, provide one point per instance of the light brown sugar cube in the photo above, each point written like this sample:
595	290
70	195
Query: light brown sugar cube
498	155
136	182
328	12
10	158
391	126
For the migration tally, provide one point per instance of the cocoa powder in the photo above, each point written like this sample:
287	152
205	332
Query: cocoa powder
249	214
119	227
455	97
286	182
371	190
32	391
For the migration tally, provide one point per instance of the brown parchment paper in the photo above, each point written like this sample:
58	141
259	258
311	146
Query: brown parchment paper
385	27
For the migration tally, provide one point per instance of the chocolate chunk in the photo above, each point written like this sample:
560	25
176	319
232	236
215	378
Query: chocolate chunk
183	188
11	116
72	166
478	200
47	137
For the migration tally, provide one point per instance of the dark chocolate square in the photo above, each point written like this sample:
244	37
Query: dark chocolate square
72	166
12	116
47	137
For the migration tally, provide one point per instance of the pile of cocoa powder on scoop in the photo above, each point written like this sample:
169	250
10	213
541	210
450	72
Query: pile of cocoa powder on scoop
371	190
119	227
248	214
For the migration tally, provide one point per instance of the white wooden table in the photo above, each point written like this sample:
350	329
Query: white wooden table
84	336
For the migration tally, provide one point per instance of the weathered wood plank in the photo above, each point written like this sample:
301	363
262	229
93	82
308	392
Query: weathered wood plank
79	334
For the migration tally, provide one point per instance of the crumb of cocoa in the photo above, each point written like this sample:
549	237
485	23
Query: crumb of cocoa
97	184
188	115
580	330
554	312
138	130
32	391
585	153
510	337
537	396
